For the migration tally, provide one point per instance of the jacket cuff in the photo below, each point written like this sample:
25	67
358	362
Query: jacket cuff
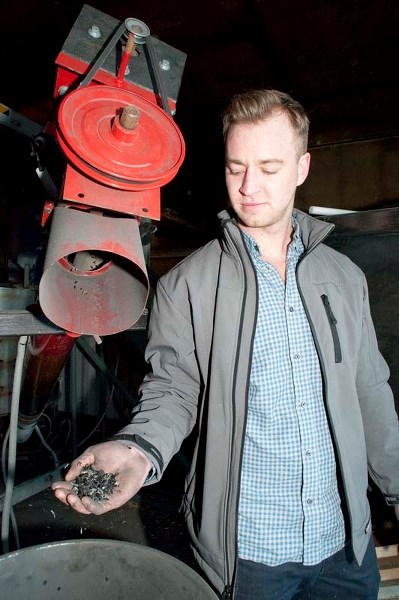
392	500
148	449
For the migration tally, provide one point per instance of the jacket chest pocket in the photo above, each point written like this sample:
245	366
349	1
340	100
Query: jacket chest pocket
333	327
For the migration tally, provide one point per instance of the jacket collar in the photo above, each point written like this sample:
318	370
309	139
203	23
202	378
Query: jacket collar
313	231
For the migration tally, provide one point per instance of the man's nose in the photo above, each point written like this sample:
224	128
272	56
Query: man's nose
250	184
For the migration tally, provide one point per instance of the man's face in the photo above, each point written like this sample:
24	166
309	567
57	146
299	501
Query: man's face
263	171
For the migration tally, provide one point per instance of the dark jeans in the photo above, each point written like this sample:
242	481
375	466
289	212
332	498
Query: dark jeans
339	577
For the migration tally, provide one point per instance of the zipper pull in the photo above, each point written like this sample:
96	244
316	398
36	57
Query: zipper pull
328	308
333	326
227	593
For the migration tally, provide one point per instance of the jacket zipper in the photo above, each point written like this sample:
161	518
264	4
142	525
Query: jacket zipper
227	593
229	588
333	326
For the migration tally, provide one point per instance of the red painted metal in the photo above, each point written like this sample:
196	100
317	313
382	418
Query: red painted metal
148	157
94	278
47	210
44	359
127	53
82	190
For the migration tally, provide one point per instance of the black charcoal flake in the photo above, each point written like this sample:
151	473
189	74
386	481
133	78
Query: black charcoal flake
94	484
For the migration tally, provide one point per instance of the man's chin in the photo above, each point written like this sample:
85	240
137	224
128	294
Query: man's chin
253	221
263	220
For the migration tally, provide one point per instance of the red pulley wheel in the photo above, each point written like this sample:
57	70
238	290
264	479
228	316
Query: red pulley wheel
100	137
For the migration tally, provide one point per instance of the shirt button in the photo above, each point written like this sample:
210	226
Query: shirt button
309	501
308	453
296	356
303	404
291	309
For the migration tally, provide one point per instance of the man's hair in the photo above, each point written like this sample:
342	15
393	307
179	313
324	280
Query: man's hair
258	105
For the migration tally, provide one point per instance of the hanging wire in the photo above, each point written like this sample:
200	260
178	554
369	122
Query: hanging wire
56	434
50	425
4	475
12	443
111	394
46	445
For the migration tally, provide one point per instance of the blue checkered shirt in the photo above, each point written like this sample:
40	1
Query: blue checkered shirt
289	507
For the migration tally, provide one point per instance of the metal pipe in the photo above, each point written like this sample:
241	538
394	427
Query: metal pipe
127	53
44	359
12	444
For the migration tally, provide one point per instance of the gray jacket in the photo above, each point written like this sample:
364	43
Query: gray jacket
200	345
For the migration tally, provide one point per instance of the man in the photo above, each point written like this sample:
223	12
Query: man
263	342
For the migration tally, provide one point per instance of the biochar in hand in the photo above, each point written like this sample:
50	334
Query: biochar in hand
95	484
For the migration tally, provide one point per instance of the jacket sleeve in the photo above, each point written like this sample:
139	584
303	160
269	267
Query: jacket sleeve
169	394
378	411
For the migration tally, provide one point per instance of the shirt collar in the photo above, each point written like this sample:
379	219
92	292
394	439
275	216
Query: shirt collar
295	248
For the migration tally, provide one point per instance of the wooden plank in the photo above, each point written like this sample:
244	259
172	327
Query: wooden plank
384	551
389	574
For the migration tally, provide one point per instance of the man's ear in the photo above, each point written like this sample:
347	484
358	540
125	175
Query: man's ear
303	167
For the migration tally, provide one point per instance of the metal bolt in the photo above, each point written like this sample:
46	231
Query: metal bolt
140	30
164	64
94	31
129	116
62	90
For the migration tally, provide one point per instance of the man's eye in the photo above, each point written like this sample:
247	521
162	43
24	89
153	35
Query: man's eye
235	171
268	172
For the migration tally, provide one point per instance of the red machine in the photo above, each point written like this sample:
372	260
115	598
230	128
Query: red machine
114	125
116	90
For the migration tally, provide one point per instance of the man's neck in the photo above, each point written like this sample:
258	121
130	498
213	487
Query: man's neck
273	244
